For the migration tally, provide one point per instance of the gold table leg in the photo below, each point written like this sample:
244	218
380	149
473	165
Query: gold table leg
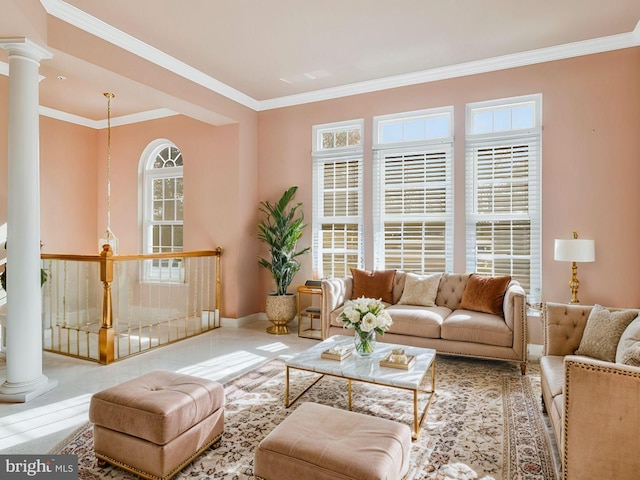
417	421
417	425
286	388
288	403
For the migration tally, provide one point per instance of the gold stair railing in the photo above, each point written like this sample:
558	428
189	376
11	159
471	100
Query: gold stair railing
108	307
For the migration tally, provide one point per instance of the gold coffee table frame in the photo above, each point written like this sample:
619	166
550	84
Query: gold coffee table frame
411	380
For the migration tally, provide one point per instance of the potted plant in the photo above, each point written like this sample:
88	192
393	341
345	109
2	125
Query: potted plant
3	275
280	228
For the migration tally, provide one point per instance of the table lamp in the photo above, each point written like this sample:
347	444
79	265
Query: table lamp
574	250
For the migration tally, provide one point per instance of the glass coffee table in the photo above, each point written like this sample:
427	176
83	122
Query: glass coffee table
368	370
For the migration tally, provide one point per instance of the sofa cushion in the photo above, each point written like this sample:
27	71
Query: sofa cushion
377	284
629	338
477	327
485	294
417	321
452	286
420	290
603	331
552	377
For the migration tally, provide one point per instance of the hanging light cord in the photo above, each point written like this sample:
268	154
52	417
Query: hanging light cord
109	97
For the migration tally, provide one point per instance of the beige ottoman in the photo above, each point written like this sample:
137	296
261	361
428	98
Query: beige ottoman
317	442
156	424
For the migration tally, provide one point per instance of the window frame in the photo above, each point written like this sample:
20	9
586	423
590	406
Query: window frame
426	147
153	270
322	157
518	140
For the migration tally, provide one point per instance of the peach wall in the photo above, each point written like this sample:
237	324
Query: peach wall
67	182
591	159
67	187
247	281
591	153
214	198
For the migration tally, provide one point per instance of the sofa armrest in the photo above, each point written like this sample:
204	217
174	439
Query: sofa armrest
563	327
335	291
515	315
601	419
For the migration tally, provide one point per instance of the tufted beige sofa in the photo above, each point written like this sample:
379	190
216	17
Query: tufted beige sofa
445	327
593	406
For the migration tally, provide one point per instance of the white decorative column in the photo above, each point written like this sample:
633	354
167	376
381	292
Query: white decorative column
25	379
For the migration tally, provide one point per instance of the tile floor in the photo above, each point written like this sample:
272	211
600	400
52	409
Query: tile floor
37	426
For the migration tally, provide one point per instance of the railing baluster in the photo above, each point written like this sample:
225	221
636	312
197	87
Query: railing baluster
88	291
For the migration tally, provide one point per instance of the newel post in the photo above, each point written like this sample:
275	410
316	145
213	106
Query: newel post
106	334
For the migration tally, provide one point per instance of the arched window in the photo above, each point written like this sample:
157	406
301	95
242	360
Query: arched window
162	212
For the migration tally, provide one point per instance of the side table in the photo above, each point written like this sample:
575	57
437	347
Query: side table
309	312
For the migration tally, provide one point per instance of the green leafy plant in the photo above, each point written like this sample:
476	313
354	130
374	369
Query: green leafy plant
3	275
280	228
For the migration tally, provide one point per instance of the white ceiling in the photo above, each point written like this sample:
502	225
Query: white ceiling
164	56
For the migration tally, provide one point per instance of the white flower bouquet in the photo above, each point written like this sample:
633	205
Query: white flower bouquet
367	316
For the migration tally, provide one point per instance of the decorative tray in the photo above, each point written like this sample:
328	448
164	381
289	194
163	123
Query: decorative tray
398	360
337	353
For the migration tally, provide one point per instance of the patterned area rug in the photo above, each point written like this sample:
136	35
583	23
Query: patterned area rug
485	422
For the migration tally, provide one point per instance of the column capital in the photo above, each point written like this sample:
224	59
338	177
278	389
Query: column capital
23	47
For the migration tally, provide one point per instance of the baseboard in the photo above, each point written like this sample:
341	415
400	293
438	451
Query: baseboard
242	321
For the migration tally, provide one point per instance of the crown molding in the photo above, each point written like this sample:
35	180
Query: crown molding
100	124
76	17
139	117
69	117
531	57
90	24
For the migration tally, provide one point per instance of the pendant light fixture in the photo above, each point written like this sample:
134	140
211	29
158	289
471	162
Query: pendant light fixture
108	238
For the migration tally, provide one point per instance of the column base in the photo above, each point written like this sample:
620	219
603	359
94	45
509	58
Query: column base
26	391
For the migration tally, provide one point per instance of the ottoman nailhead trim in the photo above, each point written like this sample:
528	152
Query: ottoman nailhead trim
148	476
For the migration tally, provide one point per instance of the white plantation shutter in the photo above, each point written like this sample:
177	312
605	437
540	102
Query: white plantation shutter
337	199
503	202
162	210
413	199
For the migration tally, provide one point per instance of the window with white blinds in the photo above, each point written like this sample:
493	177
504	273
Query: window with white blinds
503	185
413	191
162	210
337	199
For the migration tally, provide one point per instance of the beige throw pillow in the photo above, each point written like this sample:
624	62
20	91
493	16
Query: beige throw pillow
629	338
420	290
603	331
631	355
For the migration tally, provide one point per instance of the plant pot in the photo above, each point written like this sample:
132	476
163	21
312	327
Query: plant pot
280	310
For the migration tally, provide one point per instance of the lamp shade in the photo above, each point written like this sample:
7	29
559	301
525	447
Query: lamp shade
575	250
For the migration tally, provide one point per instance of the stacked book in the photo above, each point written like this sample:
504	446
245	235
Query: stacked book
337	353
398	359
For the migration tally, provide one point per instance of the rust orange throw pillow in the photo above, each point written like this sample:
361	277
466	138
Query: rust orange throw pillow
376	284
485	294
